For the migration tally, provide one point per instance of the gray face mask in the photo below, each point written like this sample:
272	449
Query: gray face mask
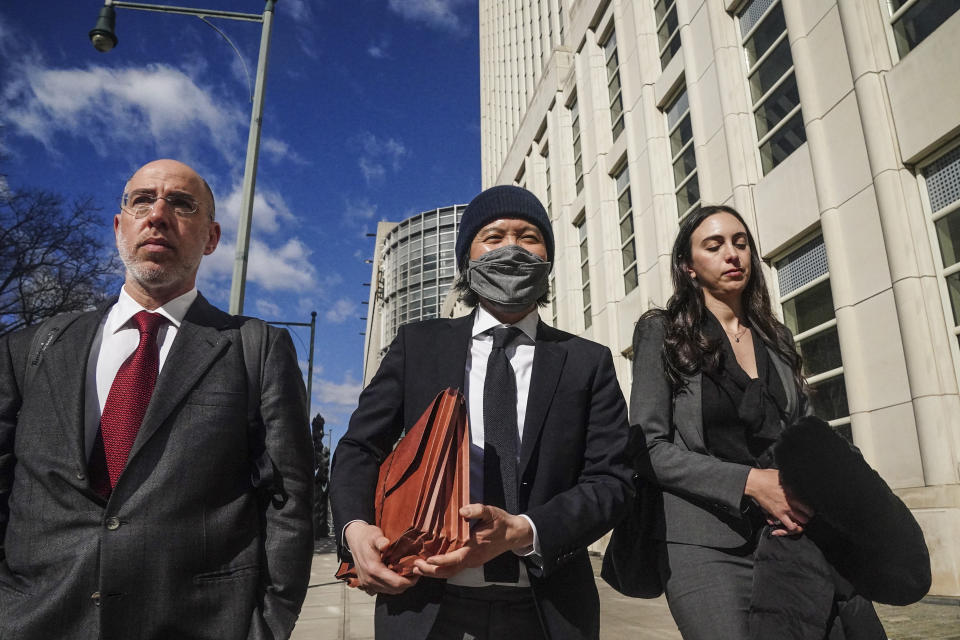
510	277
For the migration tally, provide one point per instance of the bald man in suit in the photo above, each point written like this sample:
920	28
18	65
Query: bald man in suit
155	470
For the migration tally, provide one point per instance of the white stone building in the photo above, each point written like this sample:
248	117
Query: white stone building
832	125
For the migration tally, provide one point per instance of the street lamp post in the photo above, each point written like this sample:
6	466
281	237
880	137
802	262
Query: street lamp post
104	39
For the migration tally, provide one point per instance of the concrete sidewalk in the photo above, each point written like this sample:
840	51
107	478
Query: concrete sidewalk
334	612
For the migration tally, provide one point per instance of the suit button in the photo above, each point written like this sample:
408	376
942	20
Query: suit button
80	476
113	523
96	598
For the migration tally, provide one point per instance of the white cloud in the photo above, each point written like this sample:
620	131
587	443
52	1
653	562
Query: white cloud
342	310
298	9
113	107
377	155
359	210
279	151
267	309
270	211
341	394
440	14
378	49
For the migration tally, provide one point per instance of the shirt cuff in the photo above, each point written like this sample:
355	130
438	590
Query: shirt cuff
343	533
531	551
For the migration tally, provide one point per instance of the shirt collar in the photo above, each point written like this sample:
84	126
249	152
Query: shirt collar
126	307
483	321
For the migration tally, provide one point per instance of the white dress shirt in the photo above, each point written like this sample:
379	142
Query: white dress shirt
520	355
116	339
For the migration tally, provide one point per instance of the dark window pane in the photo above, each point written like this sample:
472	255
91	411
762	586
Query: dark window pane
820	352
784	142
624	202
668	26
585	272
777	106
686	163
626	228
829	399
629	253
680	135
845	432
771	28
669	52
809	309
948	233
630	279
771	70
953	289
920	21
688	195
586	295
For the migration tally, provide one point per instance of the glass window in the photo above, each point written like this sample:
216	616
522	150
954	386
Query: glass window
668	29
807	304
628	251
686	186
773	85
553	296
613	84
546	176
942	181
577	154
914	20
584	271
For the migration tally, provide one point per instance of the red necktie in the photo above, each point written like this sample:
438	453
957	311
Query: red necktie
127	403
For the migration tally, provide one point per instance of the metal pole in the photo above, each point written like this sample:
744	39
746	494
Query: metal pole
313	330
250	169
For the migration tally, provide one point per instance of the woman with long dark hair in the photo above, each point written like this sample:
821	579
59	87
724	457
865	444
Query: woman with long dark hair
716	379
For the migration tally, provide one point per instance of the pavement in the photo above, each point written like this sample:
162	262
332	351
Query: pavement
332	611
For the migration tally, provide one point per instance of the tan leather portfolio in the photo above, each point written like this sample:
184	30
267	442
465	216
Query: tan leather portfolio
423	484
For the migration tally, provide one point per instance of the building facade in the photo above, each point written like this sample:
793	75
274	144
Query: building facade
413	269
833	126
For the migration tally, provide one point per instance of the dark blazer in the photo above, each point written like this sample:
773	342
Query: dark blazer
573	473
184	547
686	495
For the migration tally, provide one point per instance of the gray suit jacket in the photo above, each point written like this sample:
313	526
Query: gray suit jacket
701	494
184	547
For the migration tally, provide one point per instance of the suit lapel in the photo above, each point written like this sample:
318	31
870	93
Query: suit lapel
65	369
548	359
450	358
199	341
789	387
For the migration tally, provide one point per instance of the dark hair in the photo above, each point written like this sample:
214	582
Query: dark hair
469	297
686	350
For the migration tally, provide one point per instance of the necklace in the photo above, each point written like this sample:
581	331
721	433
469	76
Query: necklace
738	335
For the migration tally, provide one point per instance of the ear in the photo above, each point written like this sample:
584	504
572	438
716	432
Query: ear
212	239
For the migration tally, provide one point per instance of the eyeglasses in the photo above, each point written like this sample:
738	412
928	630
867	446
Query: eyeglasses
139	204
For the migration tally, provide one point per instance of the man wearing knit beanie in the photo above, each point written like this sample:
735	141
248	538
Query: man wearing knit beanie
548	425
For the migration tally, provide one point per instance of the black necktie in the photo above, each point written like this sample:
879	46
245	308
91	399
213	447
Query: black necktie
500	437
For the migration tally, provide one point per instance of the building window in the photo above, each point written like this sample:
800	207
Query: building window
668	29
807	303
686	186
942	181
560	18
914	20
628	250
584	271
613	84
773	84
577	152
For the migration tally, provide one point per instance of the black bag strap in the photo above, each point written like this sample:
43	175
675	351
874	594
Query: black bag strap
263	473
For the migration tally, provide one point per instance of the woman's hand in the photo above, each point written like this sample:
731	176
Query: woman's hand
782	510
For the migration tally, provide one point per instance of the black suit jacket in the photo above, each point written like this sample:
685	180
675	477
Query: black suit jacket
184	547
573	473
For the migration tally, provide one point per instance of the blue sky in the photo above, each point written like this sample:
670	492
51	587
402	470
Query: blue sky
372	113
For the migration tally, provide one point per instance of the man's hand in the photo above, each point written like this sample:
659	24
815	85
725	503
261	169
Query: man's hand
495	532
365	542
784	511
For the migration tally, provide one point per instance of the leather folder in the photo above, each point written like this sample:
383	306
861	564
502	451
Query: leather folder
422	485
